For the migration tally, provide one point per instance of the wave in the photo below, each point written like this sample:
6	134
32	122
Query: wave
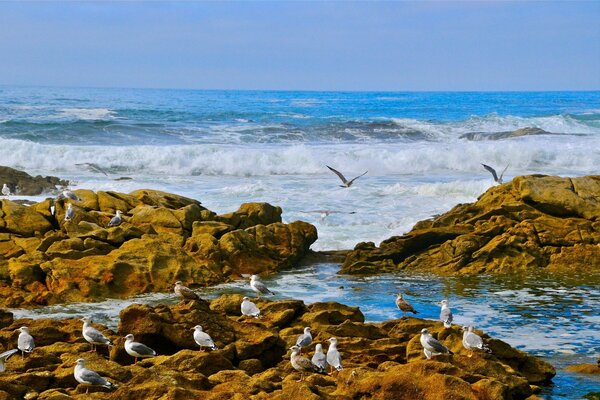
87	114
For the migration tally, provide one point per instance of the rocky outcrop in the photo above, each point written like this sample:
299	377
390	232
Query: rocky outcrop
163	238
23	184
532	223
381	360
528	131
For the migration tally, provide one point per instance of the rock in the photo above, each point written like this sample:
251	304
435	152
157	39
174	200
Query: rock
529	131
22	220
23	184
531	223
584	368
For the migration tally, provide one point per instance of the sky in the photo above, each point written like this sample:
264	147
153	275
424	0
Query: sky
389	46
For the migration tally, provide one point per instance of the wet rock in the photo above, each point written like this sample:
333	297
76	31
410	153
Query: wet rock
23	184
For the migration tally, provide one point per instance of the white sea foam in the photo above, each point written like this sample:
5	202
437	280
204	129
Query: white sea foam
86	114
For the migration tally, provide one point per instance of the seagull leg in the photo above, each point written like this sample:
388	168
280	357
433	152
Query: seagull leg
135	362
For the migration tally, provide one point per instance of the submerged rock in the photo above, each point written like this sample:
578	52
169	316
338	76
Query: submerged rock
532	223
381	360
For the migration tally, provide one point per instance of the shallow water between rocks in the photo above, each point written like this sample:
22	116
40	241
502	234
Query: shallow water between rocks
553	317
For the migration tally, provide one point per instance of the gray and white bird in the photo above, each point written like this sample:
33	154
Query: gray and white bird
431	346
249	309
497	179
92	167
472	341
5	356
334	359
203	339
319	359
446	314
305	339
136	349
258	286
93	335
300	363
404	305
345	183
5	190
116	220
185	292
25	341
67	194
70	213
88	377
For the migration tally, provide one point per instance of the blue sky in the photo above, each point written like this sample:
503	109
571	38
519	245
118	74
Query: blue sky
392	46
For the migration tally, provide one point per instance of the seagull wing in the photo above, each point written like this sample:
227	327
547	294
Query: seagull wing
304	340
6	355
339	174
93	378
249	308
436	345
187	293
25	343
95	336
261	287
203	339
350	183
320	361
492	171
92	167
473	340
334	359
142	349
446	315
504	170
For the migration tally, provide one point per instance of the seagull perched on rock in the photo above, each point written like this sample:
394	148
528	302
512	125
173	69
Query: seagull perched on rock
203	339
258	286
346	183
70	213
5	356
249	309
492	171
403	305
319	359
116	220
88	377
93	335
136	349
185	292
305	339
301	364
472	341
334	359
431	346
25	342
5	190
446	314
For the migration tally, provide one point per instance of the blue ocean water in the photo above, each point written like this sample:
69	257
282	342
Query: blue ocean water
423	153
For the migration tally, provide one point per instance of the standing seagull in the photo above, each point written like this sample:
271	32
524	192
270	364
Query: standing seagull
305	339
493	172
93	335
431	346
249	309
203	339
116	220
319	358
88	377
333	355
137	350
5	190
403	305
5	356
346	183
185	292
25	342
258	286
70	213
472	341
446	314
301	364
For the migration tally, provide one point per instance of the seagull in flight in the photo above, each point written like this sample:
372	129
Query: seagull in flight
492	171
346	183
93	167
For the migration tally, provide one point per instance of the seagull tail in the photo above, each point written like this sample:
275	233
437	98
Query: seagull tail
447	324
214	347
486	349
450	351
339	367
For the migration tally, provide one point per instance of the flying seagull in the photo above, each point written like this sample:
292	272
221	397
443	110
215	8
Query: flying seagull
137	350
431	346
88	377
446	314
203	339
93	335
93	167
258	286
404	305
5	356
472	341
346	183
493	172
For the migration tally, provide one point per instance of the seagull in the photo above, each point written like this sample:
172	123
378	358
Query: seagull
319	359
25	342
493	172
203	339
137	350
185	292
431	346
446	314
472	341
5	190
305	339
346	183
67	194
258	286
88	377
403	305
333	355
301	364
93	335
5	356
116	220
92	167
70	213
249	309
